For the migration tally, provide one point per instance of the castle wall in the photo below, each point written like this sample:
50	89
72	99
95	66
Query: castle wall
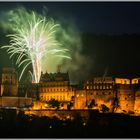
15	101
137	102
9	82
9	90
126	98
60	96
80	100
63	115
55	86
101	97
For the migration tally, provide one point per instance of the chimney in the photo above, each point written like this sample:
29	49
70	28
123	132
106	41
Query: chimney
58	69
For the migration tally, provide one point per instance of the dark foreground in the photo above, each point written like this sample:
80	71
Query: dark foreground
97	126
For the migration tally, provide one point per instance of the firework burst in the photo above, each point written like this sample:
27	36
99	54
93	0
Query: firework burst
33	39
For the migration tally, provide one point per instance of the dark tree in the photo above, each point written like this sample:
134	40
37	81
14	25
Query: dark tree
72	98
92	104
104	108
69	105
115	104
54	103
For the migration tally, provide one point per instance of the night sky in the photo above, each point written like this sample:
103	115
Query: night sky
95	17
110	33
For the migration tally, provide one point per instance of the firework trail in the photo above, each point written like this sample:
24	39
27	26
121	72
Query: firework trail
34	37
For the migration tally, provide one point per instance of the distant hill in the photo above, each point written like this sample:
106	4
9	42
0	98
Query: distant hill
113	54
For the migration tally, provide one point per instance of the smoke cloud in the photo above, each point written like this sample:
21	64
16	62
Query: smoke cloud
79	65
69	38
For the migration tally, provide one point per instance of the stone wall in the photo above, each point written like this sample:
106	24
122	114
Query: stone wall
15	102
137	102
126	98
61	114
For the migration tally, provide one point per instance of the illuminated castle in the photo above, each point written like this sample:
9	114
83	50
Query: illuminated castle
9	85
116	94
106	94
10	90
55	86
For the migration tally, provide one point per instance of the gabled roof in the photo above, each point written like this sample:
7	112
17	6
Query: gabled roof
54	77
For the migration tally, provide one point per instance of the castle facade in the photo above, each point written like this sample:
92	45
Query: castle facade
105	94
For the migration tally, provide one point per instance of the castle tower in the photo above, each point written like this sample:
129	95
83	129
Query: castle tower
9	86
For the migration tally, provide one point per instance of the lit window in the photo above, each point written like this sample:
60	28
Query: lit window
87	87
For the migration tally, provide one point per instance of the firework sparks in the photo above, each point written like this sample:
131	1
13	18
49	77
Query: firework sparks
35	38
